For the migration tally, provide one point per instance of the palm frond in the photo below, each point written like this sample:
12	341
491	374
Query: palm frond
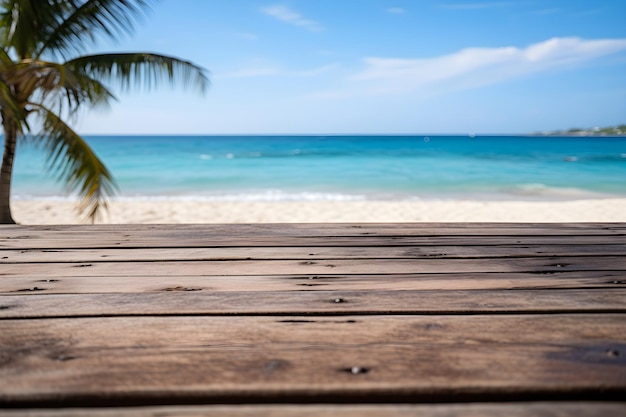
10	108
18	24
78	89
91	19
35	32
50	82
76	164
5	59
144	69
27	23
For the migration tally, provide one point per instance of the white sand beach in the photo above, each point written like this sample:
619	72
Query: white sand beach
31	212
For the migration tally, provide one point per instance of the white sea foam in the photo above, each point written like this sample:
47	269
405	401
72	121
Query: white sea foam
521	192
260	196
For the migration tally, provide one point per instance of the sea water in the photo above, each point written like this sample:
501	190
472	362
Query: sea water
344	168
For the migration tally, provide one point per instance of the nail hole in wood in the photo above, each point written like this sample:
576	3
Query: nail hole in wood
355	370
613	353
275	365
64	358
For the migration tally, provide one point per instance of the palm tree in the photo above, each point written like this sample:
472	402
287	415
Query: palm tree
47	75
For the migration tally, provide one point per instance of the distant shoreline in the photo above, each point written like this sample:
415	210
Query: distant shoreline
577	135
596	131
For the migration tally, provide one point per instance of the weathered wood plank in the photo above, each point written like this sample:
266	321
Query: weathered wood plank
323	229
26	284
318	302
286	313
520	409
264	253
251	359
17	237
119	241
339	266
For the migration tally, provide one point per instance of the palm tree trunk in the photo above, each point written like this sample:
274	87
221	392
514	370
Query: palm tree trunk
6	169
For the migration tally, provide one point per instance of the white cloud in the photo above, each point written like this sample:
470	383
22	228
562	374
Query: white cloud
396	10
287	15
473	67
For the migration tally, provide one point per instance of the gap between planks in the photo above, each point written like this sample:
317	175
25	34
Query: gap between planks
303	253
519	409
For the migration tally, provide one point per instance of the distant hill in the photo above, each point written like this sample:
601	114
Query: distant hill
595	131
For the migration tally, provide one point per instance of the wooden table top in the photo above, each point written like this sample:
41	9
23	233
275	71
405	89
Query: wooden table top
313	319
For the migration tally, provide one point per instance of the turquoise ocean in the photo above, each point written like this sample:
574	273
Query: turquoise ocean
345	168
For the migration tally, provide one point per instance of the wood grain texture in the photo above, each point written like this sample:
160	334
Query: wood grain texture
332	266
265	358
190	301
162	317
27	284
533	409
117	241
286	235
304	253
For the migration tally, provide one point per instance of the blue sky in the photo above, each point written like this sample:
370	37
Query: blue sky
380	66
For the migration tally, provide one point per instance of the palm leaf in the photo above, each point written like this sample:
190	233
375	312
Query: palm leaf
18	22
80	90
34	30
10	108
26	23
57	84
145	69
5	59
91	19
76	164
77	89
